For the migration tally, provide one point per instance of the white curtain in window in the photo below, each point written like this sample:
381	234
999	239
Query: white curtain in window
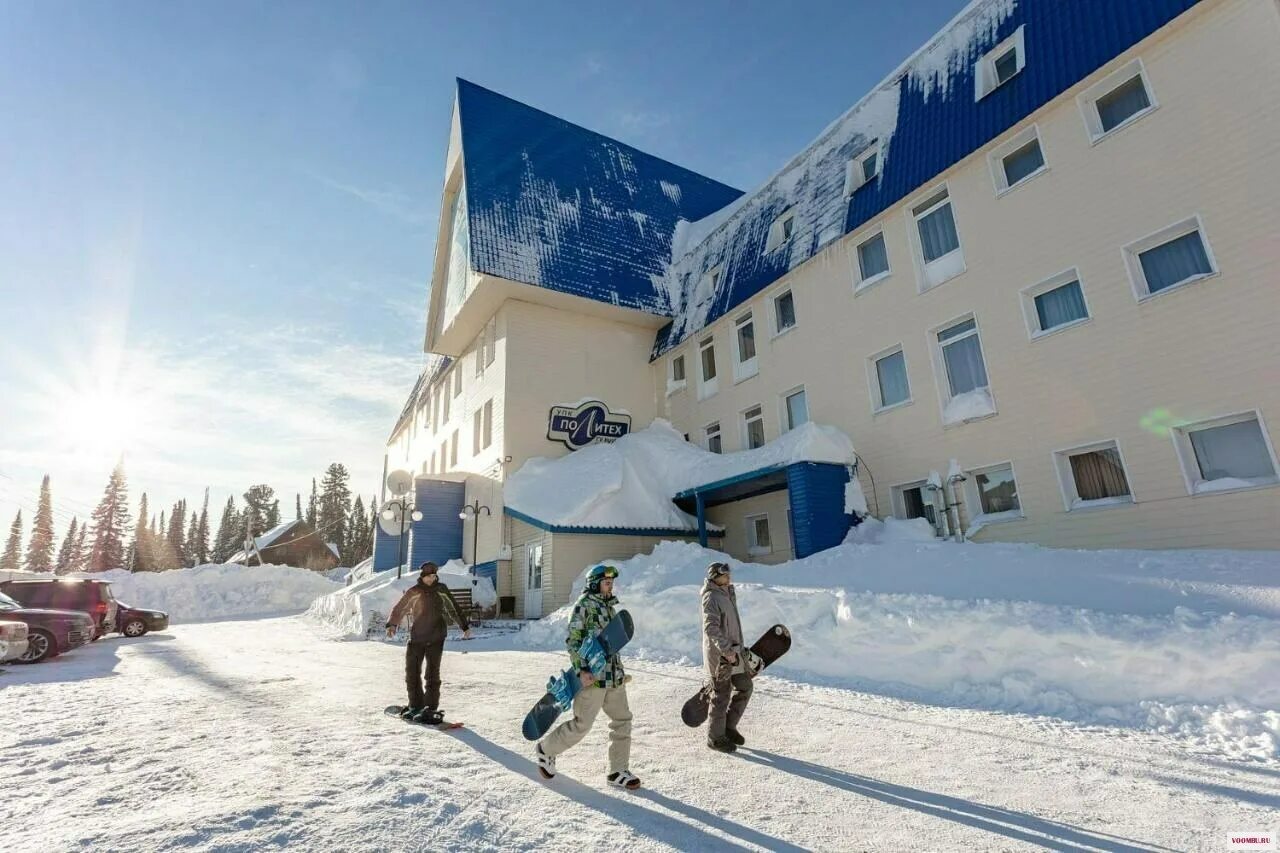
1061	305
965	370
938	233
1175	261
891	371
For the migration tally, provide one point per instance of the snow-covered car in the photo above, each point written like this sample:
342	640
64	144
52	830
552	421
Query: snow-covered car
13	640
135	621
49	632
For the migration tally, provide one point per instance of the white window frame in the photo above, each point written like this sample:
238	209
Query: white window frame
754	549
773	303
985	80
943	379
487	440
855	171
1067	482
1028	296
1197	486
707	387
743	370
785	413
707	433
491	341
448	400
931	274
899	504
453	450
859	283
477	424
676	385
973	499
479	349
995	159
1088	100
457	380
873	380
1133	264
777	237
744	425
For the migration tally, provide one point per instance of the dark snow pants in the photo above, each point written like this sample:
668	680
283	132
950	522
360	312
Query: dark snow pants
730	693
414	656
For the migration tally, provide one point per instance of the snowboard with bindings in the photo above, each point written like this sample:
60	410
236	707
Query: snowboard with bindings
444	725
562	688
772	645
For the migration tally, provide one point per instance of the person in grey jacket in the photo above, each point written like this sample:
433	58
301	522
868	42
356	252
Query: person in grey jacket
724	657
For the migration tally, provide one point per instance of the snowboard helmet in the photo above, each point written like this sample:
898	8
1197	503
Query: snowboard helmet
715	570
599	573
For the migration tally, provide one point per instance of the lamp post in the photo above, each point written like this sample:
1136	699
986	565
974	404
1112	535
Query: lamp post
475	508
400	508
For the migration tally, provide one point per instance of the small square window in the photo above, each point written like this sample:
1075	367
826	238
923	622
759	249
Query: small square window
1054	304
784	311
1023	163
753	427
1093	476
862	169
677	369
712	434
1117	100
873	259
1172	257
1017	159
997	490
759	540
1122	103
1006	65
797	408
780	231
889	386
1226	454
999	65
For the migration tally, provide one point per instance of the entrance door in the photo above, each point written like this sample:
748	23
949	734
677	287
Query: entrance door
533	582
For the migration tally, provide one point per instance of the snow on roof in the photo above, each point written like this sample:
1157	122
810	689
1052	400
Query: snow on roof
630	483
434	367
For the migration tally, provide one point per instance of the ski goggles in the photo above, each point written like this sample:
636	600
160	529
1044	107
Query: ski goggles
607	572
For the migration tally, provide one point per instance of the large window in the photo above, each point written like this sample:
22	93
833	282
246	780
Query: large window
796	408
784	312
477	424
1226	454
1169	258
712	434
753	428
759	539
993	493
889	386
744	338
1054	304
447	398
1117	100
707	382
873	260
937	241
966	391
1093	476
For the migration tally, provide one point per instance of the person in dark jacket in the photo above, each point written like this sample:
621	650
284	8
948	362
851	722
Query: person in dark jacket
723	655
429	607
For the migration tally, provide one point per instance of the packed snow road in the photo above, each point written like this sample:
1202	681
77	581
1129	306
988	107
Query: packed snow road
265	735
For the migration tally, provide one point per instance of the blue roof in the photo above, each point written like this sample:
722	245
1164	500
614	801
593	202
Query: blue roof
603	531
436	366
925	118
552	204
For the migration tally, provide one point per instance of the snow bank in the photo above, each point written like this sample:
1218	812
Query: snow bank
356	610
630	483
218	591
1136	638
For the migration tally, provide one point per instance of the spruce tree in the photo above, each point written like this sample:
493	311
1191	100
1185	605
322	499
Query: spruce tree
40	546
334	511
299	510
313	504
110	521
357	534
257	512
175	538
67	553
193	530
141	550
228	533
273	515
200	550
80	554
10	561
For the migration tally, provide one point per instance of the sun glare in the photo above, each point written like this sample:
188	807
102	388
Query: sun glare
102	421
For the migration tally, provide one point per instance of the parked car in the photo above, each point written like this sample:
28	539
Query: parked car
90	596
49	632
134	621
13	640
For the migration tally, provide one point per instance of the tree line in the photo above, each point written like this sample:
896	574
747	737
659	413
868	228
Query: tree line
179	536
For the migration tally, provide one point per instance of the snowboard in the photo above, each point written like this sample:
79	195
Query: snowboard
446	726
772	645
562	688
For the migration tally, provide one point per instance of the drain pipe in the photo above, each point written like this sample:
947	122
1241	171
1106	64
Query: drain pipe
954	478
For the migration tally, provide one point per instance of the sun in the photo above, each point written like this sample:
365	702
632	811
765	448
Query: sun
102	420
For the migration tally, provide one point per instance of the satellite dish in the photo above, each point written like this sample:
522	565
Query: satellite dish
399	482
390	519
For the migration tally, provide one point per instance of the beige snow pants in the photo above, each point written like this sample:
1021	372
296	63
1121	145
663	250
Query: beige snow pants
586	707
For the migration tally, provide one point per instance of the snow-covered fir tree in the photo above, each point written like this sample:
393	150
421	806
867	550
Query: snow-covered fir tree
110	521
67	553
80	553
40	545
175	537
10	561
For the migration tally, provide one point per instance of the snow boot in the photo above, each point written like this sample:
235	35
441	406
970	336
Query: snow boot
624	779
429	716
409	712
732	734
721	744
546	763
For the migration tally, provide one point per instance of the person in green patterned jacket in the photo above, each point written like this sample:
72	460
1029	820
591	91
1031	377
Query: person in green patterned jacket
593	610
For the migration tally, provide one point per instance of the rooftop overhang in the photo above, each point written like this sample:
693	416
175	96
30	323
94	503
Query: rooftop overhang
607	531
739	487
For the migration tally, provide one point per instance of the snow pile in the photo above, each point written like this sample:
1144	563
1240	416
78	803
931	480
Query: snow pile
630	483
356	610
218	590
1135	638
968	406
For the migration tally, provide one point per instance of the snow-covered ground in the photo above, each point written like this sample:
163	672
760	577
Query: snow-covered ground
261	735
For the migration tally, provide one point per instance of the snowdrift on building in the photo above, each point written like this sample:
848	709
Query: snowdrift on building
218	590
357	610
1179	641
630	483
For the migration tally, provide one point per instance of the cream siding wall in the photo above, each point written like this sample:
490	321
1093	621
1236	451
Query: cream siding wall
733	518
1198	351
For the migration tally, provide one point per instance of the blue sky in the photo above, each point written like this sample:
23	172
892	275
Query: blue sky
217	219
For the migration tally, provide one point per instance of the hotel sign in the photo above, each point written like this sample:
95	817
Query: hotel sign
588	422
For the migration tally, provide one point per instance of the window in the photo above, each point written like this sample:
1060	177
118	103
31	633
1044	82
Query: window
759	542
477	423
491	341
938	243
712	433
915	500
1054	304
444	454
707	384
889	385
675	375
796	408
1226	454
488	425
480	348
781	231
457	381
862	169
1169	258
447	397
966	389
999	65
432	469
784	312
435	407
1017	159
753	428
453	451
1093	476
873	261
744	338
1116	101
992	494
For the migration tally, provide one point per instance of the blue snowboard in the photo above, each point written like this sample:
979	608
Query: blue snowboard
561	689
